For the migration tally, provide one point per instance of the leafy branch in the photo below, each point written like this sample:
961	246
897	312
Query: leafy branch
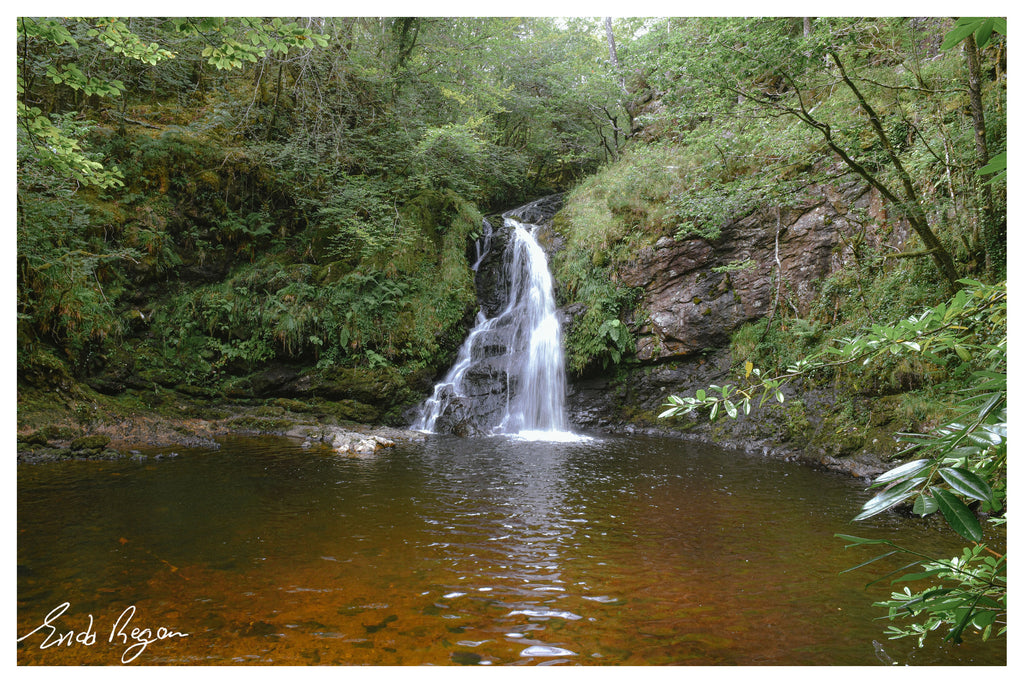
976	599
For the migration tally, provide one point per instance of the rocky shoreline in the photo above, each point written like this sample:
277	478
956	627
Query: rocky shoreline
124	438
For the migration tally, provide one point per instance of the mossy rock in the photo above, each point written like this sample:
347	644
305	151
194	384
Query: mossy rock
355	411
798	428
845	444
293	406
195	391
33	439
92	442
59	433
269	411
374	387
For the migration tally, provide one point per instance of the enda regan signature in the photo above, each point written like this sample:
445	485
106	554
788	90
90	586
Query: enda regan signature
136	639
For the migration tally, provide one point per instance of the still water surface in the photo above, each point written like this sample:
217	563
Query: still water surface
460	551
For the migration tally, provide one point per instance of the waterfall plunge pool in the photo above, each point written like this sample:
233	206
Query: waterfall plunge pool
484	550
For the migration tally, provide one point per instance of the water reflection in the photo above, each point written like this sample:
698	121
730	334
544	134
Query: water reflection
463	551
510	527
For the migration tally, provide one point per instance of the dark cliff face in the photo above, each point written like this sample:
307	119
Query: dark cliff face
698	292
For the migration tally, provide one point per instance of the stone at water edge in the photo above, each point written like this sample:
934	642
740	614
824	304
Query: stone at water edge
358	444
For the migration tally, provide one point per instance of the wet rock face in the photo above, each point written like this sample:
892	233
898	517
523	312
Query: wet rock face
696	297
539	211
491	283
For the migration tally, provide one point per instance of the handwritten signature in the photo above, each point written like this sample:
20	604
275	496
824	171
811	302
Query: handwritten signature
136	639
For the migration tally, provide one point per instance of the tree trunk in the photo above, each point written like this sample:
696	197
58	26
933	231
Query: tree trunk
613	56
406	30
980	145
277	98
909	204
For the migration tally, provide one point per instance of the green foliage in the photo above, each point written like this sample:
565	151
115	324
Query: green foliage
357	219
753	94
68	274
608	344
232	43
996	165
56	145
606	218
597	335
62	298
116	35
390	309
734	266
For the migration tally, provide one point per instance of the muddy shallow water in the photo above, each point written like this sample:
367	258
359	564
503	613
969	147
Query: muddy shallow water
611	551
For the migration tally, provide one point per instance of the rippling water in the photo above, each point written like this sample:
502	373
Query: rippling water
460	551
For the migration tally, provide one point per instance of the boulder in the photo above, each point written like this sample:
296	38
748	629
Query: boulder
353	443
94	442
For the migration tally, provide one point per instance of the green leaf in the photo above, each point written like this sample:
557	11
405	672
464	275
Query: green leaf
873	559
730	409
957	515
967	483
921	575
963	353
902	472
886	499
859	540
957	35
983	33
984	618
925	505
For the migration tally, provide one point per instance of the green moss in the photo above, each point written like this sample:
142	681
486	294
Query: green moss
33	439
60	432
294	406
355	411
798	428
269	411
259	424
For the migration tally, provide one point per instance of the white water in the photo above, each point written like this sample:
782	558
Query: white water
530	334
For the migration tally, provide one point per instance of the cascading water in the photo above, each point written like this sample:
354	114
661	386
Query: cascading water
509	376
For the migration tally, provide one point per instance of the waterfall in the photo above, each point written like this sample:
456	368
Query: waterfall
509	376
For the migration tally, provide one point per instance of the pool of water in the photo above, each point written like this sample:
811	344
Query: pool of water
612	551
